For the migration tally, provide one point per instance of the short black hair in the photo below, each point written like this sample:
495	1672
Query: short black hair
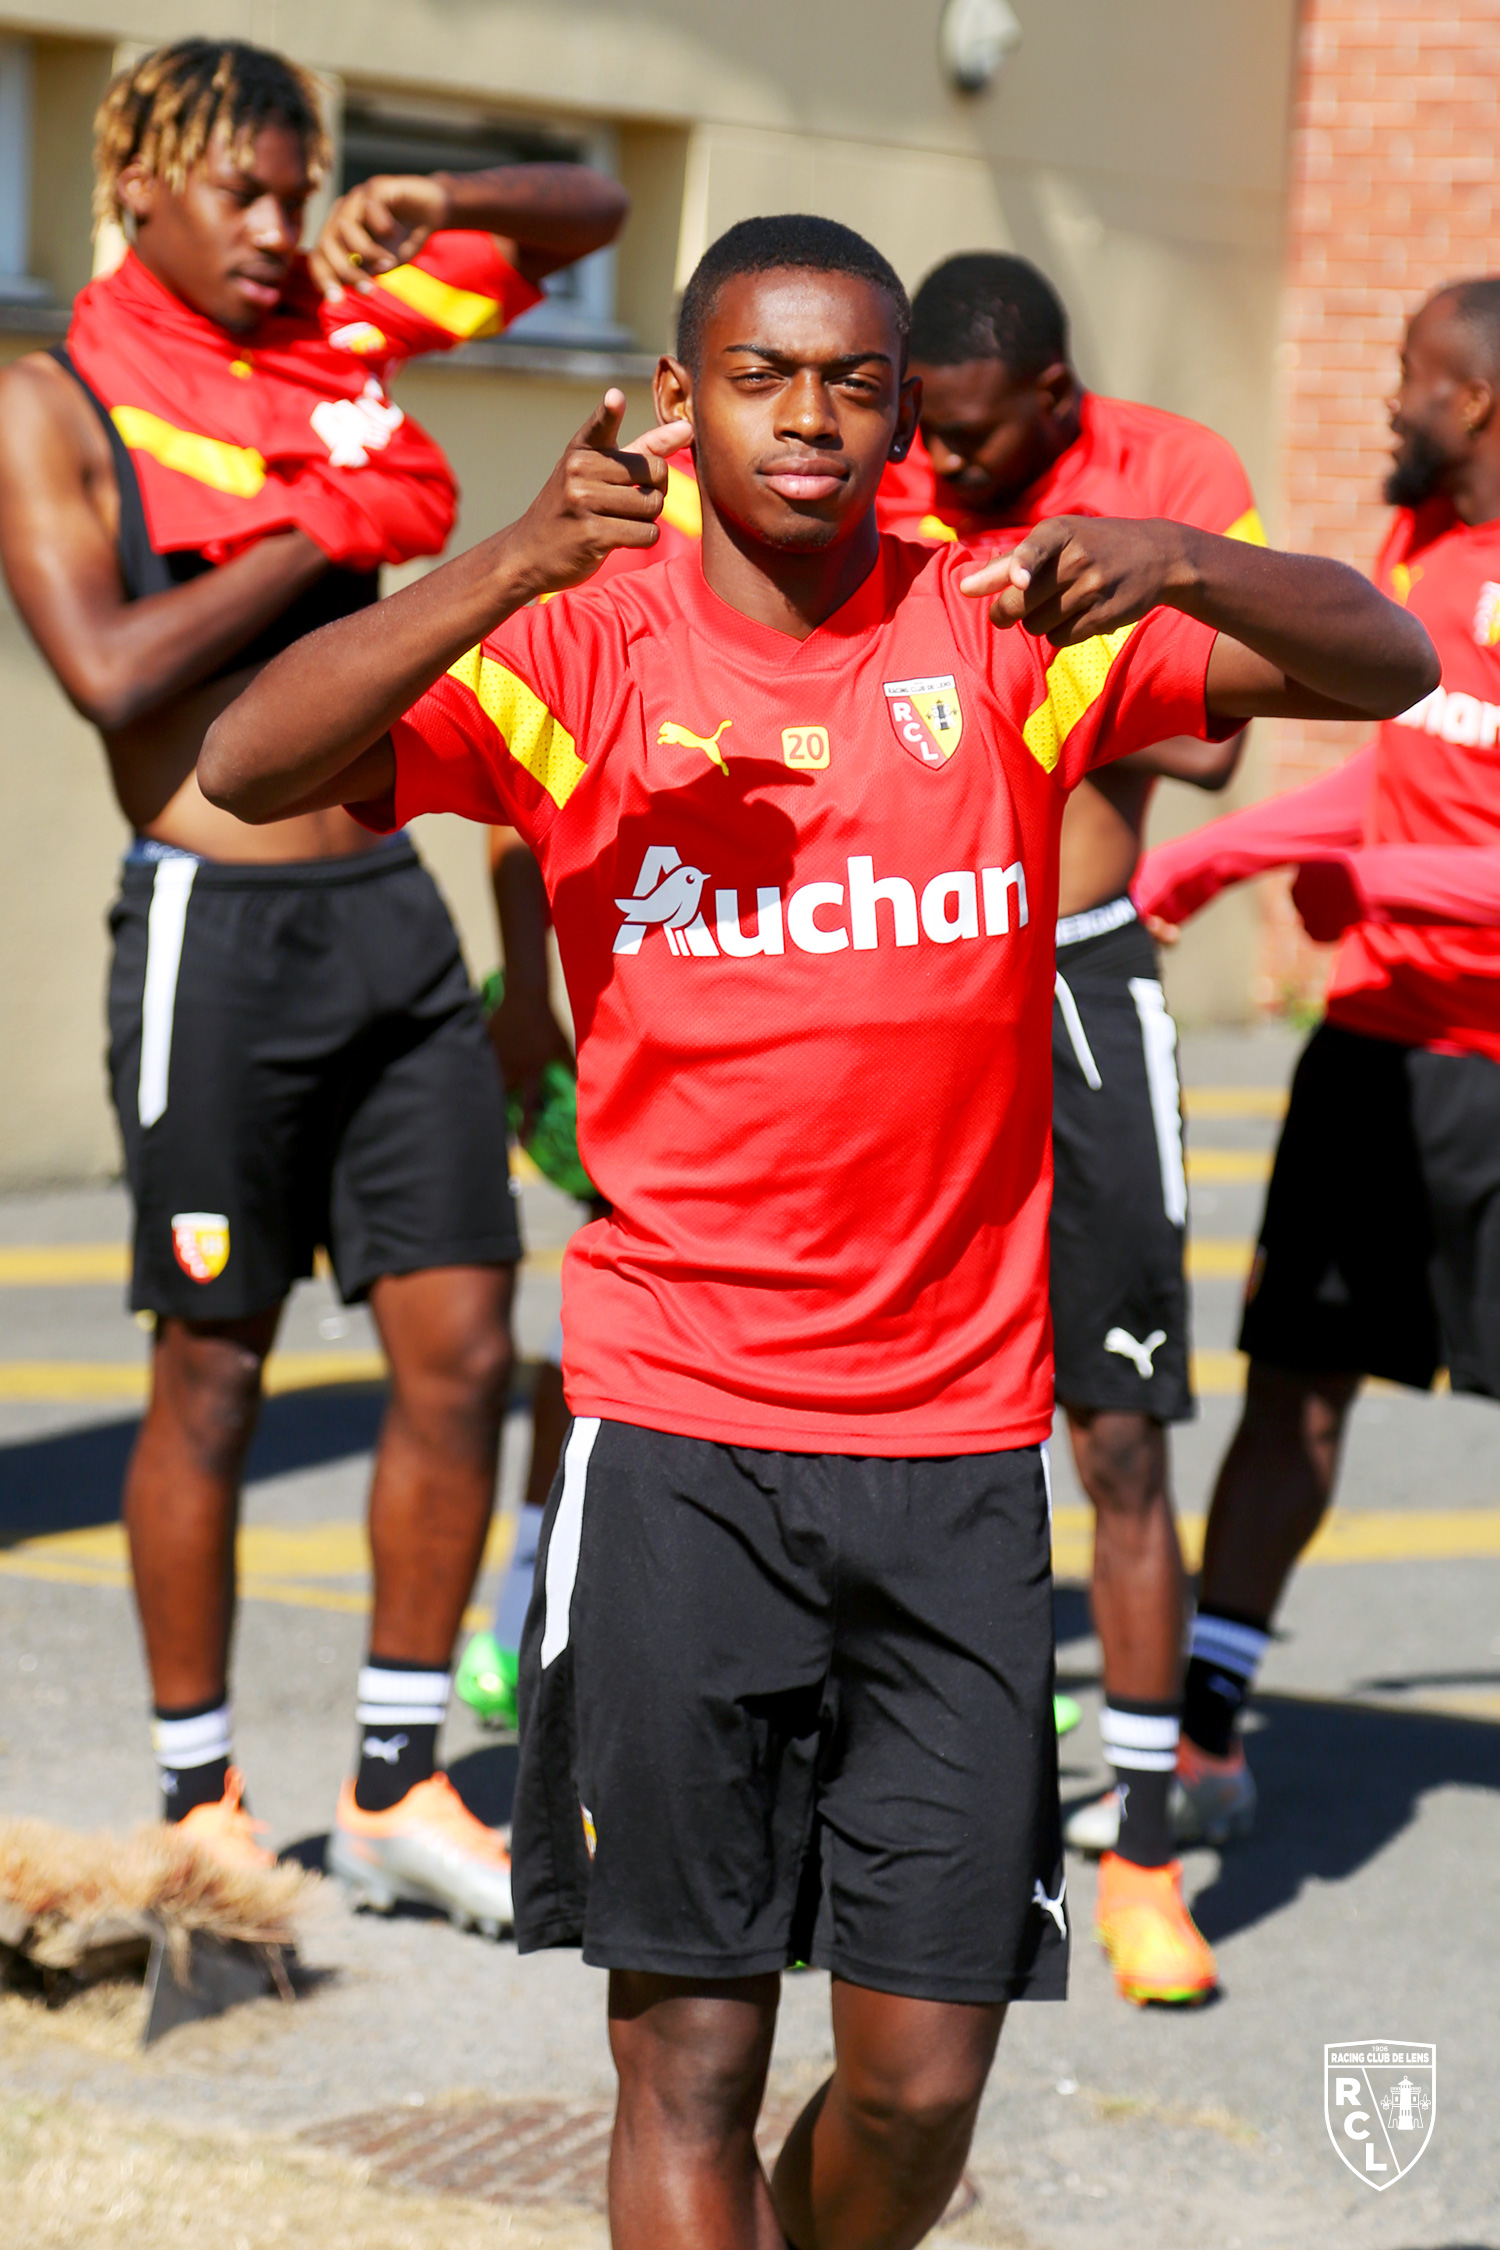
985	304
794	239
1477	305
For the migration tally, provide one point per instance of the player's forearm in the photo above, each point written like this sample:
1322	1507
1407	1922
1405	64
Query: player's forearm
318	706
1316	621
521	910
565	210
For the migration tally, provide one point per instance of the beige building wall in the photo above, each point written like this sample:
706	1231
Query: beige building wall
1136	153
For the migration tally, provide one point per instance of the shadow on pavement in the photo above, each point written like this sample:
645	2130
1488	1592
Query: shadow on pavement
72	1479
1337	1783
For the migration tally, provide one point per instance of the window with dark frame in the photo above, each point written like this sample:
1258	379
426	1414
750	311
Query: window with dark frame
377	137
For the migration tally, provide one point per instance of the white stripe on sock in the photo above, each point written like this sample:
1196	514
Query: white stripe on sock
401	1699
165	923
1137	1741
1234	1648
182	1743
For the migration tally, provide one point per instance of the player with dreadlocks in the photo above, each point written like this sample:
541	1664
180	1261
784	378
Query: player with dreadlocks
210	469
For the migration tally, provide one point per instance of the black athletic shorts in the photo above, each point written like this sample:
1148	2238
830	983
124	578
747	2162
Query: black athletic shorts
298	1059
1379	1250
782	1707
1119	1198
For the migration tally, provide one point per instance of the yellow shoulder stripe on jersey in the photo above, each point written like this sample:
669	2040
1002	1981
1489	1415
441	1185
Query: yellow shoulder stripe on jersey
1249	528
683	509
463	312
534	738
1075	681
228	468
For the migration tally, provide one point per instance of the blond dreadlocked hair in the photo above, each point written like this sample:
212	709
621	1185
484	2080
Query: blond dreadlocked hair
163	113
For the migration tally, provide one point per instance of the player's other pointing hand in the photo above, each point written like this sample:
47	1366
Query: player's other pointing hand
1075	576
599	497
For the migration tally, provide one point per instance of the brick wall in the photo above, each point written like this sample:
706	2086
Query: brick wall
1394	188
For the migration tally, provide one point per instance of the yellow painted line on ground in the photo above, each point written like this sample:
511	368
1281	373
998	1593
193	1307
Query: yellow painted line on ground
1218	1258
277	1562
53	1265
1349	1536
34	1265
36	1380
1234	1101
1228	1164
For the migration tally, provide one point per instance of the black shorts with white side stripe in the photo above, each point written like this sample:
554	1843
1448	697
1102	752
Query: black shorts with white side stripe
1379	1251
298	1059
782	1707
1119	1197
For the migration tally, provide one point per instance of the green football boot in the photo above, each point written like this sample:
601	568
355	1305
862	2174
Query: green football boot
486	1680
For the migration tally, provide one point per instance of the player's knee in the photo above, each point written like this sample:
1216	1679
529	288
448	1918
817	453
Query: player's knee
918	2113
210	1387
700	2080
1122	1463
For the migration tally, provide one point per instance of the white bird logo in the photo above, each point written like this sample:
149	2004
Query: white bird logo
1120	1340
673	903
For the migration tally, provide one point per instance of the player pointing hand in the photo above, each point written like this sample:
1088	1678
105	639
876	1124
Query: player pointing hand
599	497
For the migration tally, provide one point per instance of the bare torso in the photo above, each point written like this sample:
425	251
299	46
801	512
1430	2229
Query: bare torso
61	509
1102	832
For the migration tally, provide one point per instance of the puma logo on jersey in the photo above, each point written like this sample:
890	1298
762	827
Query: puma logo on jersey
1141	1355
1052	1906
685	739
388	1751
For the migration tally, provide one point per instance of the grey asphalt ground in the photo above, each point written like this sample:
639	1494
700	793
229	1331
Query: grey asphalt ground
1363	1907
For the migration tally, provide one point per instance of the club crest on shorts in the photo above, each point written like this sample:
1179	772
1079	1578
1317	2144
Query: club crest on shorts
590	1833
926	717
200	1243
1380	2102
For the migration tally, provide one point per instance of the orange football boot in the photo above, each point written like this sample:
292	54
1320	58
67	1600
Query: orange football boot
429	1849
1155	1948
225	1830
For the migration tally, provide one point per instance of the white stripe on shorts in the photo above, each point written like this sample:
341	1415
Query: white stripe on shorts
1159	1039
567	1536
1073	1022
164	927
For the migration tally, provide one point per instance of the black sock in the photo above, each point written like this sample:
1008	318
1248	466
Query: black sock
401	1706
1227	1647
193	1747
1140	1742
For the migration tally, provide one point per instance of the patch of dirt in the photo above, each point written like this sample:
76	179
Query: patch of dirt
79	2178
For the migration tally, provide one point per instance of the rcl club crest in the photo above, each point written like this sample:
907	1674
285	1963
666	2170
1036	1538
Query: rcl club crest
200	1243
1380	2100
926	717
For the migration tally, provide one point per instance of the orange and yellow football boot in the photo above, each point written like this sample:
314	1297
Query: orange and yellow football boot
225	1830
428	1849
1155	1948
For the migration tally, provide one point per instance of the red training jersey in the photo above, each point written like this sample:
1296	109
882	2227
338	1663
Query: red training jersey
1126	460
804	894
1437	781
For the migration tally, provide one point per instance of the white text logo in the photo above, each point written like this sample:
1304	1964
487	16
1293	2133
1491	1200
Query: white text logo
1455	717
818	917
1379	2103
